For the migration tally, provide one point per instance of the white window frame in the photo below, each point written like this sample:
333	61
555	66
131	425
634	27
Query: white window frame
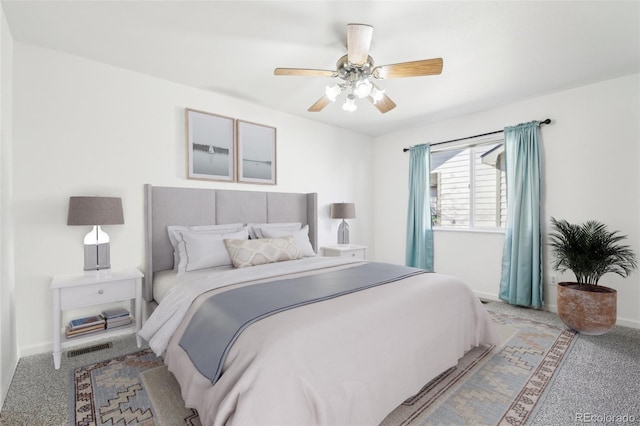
487	140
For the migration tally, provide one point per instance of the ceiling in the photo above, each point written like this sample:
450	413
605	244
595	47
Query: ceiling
494	53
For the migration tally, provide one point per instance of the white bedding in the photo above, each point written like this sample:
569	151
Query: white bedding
165	319
348	360
164	281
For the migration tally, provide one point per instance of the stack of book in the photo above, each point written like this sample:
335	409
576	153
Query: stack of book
117	317
86	325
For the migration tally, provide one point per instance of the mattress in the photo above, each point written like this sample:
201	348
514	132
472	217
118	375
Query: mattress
347	360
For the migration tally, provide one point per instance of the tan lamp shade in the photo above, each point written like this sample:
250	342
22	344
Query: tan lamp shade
343	211
95	211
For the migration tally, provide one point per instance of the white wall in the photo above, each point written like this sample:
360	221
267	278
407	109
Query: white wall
83	128
590	167
8	349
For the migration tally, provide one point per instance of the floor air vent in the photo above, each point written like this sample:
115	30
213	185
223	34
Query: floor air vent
94	348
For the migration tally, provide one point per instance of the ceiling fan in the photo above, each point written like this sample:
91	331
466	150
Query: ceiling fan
356	68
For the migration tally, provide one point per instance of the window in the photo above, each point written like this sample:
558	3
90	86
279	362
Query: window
468	186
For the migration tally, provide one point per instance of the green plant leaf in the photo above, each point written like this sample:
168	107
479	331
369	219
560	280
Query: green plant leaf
590	251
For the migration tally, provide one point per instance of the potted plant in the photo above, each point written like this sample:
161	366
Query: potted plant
589	251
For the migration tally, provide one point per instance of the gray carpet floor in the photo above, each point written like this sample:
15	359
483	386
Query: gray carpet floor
599	380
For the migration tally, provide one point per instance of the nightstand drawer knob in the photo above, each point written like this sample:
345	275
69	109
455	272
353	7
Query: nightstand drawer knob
100	291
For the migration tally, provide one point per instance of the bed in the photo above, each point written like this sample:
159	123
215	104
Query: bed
348	357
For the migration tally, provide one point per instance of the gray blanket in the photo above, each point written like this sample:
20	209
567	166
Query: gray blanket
221	318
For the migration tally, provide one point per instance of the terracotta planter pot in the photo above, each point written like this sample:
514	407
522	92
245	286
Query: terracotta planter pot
587	309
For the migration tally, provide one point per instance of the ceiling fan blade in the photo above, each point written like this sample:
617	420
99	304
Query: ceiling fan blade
304	72
358	43
320	104
409	69
384	105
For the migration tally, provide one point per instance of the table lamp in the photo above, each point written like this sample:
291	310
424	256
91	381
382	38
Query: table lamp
343	211
95	211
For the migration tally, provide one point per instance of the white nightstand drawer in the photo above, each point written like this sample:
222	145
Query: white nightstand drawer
346	250
92	294
359	253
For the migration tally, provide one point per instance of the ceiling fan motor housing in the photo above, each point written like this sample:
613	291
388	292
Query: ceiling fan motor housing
346	70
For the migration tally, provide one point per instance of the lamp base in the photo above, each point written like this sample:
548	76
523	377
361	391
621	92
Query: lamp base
96	257
343	233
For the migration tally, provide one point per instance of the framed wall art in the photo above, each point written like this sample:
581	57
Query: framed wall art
210	146
256	150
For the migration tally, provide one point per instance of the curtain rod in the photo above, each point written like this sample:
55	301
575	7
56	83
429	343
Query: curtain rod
547	121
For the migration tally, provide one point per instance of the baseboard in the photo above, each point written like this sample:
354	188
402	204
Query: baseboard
6	382
486	296
628	322
36	349
42	348
625	322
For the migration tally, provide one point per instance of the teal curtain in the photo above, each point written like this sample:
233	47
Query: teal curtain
521	281
419	253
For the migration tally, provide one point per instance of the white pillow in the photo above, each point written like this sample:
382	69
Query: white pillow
205	249
301	238
245	253
255	229
174	236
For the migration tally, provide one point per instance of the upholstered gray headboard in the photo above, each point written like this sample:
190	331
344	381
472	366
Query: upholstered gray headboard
165	206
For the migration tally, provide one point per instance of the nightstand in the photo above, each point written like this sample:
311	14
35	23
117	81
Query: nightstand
94	288
346	250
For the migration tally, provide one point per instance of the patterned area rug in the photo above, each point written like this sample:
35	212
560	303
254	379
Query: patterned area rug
496	385
133	389
491	385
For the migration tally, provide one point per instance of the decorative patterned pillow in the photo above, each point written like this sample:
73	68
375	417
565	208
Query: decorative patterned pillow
245	253
301	238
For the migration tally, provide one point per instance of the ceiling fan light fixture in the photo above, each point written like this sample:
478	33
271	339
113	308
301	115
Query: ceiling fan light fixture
377	94
350	104
362	88
332	92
